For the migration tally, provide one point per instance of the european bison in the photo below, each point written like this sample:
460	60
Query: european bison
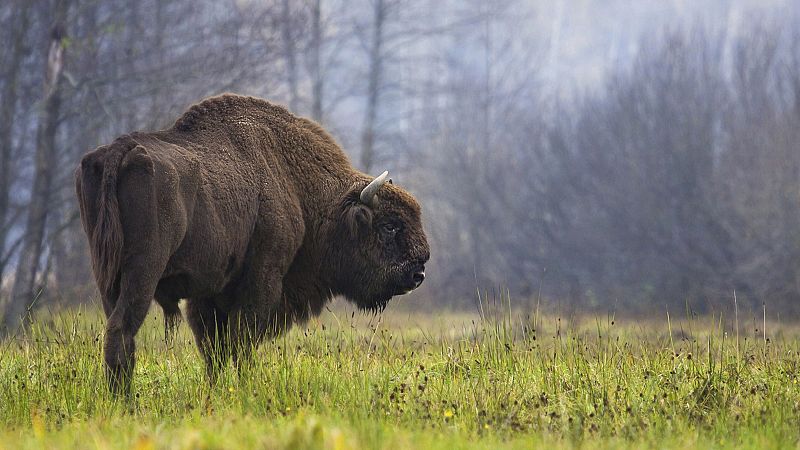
253	215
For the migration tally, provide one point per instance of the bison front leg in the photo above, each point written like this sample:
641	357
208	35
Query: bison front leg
211	333
254	318
246	332
258	297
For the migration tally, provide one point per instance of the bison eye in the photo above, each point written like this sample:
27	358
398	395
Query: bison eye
389	229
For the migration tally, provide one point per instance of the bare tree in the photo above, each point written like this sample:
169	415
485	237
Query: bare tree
13	64
289	33
376	56
23	294
315	57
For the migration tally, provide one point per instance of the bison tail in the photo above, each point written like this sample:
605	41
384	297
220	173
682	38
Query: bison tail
106	237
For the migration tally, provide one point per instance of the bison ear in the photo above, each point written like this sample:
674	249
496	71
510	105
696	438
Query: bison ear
358	219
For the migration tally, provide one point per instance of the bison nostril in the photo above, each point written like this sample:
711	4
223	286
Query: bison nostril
418	278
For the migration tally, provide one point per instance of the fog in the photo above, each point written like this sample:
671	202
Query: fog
602	155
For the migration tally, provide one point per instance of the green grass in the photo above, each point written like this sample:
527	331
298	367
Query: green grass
405	380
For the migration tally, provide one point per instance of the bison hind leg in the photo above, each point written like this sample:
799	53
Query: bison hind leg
123	323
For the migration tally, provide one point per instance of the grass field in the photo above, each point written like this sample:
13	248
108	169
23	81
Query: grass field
413	380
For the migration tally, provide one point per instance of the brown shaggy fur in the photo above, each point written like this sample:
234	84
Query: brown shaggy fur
251	214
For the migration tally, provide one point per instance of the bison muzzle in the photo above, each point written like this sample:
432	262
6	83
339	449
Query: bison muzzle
253	215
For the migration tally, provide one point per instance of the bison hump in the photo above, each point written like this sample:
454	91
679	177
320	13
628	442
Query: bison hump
228	108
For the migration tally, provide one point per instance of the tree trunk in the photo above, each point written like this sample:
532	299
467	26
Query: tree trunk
316	63
373	90
7	116
71	273
289	54
23	295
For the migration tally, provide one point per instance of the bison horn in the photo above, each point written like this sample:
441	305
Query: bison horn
368	194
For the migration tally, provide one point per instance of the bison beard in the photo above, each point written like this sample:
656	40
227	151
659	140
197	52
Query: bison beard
253	215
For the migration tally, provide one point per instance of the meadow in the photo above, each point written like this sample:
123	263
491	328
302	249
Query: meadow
499	378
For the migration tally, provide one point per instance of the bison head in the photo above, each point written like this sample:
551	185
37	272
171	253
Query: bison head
382	249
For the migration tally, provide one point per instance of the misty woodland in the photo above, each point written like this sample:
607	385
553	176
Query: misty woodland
672	181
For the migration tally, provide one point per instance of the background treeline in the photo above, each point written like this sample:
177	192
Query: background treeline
675	181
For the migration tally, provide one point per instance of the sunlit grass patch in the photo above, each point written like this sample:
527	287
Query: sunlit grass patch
414	380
